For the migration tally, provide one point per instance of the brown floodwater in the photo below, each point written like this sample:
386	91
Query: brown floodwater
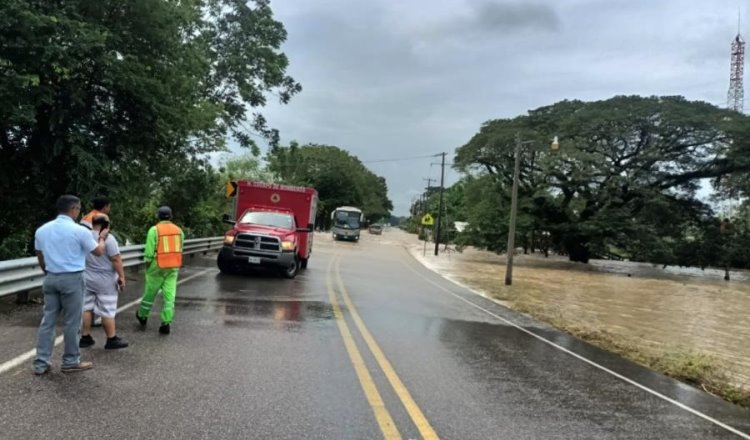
672	308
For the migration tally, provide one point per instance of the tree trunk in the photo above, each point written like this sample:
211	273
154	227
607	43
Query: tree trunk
577	250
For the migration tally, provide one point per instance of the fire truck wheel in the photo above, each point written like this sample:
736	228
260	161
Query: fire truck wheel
291	271
303	263
225	266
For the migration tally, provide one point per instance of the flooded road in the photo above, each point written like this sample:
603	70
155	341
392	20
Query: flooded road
673	309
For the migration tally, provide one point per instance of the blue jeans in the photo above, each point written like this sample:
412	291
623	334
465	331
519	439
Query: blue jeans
62	293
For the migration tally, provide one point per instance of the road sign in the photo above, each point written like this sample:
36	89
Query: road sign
427	220
231	190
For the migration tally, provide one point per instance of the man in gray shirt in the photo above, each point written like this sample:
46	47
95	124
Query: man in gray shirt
104	276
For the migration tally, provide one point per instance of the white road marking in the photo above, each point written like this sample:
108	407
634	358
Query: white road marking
20	359
588	361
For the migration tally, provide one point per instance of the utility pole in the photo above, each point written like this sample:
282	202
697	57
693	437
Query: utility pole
429	181
513	213
424	199
440	209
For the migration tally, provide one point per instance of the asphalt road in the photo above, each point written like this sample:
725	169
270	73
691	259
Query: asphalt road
364	344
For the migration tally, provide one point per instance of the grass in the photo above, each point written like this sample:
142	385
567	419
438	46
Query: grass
694	368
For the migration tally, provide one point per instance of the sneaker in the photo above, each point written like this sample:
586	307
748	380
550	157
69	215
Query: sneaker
97	322
41	372
86	341
164	329
81	366
143	321
114	343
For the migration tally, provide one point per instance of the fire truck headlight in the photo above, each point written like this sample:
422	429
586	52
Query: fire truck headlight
287	245
229	239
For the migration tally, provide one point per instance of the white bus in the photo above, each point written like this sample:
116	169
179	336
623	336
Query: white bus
346	223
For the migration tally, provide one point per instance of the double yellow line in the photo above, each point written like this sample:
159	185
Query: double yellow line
383	417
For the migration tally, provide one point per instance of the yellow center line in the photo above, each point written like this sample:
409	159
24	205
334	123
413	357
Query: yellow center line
419	419
387	426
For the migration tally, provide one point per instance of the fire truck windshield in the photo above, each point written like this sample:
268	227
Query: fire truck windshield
273	219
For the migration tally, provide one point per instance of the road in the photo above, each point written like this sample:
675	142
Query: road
364	344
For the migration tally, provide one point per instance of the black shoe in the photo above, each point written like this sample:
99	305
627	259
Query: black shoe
114	343
164	329
86	341
143	321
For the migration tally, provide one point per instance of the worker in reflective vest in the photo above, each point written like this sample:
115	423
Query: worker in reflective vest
163	255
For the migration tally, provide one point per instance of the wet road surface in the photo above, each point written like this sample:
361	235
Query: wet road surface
364	344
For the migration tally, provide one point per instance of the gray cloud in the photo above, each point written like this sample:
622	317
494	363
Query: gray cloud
390	79
493	16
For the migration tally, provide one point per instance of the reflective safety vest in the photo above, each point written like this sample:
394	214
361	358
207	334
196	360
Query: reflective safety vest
89	218
168	246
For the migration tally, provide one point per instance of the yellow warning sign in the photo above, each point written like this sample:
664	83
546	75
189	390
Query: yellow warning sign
427	220
231	189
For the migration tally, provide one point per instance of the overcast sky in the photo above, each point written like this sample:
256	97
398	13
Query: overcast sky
389	79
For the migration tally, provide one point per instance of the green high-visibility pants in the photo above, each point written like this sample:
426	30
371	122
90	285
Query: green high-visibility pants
164	280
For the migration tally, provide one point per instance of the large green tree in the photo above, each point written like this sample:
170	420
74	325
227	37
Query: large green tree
340	179
626	173
111	96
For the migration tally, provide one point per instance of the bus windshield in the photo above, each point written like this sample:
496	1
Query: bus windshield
347	219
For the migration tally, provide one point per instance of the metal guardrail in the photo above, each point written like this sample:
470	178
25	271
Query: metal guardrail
24	274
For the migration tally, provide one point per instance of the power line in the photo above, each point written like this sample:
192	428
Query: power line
398	159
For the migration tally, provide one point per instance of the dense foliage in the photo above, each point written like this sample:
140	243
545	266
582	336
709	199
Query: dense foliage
340	178
624	182
125	98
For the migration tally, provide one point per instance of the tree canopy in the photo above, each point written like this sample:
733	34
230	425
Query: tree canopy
340	178
625	177
118	98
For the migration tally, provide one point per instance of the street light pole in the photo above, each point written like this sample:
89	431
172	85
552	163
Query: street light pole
514	205
513	213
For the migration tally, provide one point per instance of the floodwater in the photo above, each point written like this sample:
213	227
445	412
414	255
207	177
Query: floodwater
658	309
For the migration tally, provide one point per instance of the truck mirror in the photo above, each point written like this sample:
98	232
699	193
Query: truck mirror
310	228
226	218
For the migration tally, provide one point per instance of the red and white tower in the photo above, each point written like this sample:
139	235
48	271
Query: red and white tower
736	94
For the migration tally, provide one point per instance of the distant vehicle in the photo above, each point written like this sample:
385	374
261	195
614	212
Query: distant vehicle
376	229
347	222
272	227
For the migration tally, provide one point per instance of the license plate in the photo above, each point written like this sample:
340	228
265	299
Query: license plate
253	260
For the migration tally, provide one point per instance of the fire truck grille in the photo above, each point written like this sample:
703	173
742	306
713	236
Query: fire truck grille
257	242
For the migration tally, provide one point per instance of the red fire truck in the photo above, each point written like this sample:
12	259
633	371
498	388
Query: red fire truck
272	227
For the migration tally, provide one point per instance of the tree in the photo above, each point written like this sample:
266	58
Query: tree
340	179
627	170
98	95
245	167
